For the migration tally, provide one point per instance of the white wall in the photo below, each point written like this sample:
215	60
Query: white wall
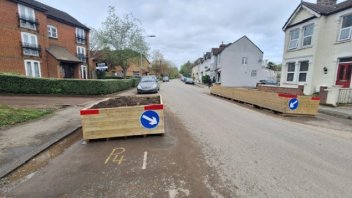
233	72
324	52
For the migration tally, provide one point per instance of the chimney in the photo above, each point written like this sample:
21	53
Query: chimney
326	2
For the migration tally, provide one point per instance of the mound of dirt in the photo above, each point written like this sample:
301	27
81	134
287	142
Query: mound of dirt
127	101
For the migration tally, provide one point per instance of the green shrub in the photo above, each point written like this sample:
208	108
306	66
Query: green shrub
22	84
206	79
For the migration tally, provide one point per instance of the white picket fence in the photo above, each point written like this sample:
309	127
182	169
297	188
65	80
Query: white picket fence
345	96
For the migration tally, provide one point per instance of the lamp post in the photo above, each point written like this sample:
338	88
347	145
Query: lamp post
141	60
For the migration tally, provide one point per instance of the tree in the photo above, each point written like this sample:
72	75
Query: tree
121	39
186	69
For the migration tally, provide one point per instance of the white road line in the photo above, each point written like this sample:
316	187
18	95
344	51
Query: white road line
145	160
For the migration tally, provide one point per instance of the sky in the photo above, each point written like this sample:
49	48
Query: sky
186	29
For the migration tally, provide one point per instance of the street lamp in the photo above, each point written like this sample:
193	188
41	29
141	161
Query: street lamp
141	61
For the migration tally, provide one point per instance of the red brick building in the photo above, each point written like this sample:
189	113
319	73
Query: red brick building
37	40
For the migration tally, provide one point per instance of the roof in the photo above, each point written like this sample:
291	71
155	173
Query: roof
53	13
327	10
217	51
62	54
324	10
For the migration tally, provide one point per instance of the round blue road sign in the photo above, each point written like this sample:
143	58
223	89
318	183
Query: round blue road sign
293	104
149	119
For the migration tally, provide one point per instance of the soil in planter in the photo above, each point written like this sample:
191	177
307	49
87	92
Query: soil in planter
127	101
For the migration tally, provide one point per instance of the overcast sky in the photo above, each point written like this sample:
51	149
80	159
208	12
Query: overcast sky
186	29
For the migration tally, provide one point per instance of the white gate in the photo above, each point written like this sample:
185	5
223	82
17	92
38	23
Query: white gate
345	96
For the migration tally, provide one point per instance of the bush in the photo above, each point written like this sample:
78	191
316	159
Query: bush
22	84
206	79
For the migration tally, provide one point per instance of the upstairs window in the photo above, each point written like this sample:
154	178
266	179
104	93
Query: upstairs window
294	38
346	28
307	35
26	17
52	31
80	36
244	60
81	53
291	67
30	44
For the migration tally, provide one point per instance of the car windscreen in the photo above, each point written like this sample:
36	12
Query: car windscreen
148	79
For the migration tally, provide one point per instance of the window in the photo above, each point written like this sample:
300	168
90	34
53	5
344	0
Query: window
32	68
52	31
254	73
303	70
84	72
346	28
307	35
135	73
81	53
291	67
30	44
80	36
244	60
294	37
27	17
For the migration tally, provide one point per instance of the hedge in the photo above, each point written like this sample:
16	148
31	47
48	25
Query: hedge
26	85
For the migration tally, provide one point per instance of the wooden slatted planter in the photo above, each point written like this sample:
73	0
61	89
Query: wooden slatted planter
278	102
106	119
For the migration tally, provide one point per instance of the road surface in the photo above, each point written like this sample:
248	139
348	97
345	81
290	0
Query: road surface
213	148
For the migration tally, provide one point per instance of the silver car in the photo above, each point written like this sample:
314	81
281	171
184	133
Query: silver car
148	84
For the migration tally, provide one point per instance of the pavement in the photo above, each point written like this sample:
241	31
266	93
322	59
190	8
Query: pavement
20	143
340	111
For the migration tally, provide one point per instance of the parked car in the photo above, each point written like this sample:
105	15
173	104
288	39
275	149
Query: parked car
189	81
148	84
165	79
268	82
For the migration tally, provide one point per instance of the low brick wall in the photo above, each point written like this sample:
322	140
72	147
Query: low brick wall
323	94
270	88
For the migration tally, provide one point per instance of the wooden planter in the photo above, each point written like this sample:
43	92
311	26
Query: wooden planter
119	121
278	102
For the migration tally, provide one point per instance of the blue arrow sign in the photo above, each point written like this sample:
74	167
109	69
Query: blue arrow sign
293	104
149	119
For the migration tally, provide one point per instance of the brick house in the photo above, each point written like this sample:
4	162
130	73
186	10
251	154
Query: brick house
40	41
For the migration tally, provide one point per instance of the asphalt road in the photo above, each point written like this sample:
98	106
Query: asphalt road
265	155
212	148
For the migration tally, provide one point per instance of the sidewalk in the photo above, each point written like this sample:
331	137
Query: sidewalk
342	111
20	143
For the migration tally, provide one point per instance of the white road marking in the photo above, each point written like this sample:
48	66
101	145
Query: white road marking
145	160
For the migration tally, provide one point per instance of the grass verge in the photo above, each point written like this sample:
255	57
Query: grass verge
11	116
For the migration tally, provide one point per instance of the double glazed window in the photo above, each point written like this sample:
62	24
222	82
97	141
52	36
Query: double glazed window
301	37
32	68
81	53
307	35
300	74
346	28
294	38
27	17
80	36
244	60
30	44
52	31
291	67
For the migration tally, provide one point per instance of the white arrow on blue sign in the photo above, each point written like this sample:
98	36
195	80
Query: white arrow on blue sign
293	104
149	119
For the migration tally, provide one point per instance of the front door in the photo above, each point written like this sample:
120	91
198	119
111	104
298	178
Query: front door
67	70
344	75
84	73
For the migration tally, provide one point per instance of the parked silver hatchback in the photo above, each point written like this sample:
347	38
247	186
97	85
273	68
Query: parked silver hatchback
148	84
